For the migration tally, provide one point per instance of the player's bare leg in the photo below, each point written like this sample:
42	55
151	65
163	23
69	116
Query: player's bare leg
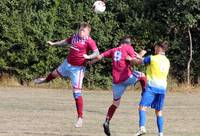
50	77
109	116
143	81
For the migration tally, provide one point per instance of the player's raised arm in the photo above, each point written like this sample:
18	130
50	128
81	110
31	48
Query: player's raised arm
91	56
58	43
99	57
138	59
142	53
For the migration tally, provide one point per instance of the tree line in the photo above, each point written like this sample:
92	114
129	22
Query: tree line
26	26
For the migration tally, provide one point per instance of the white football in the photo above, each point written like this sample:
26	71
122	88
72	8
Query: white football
99	6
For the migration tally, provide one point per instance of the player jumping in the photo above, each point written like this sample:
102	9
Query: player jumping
122	75
73	66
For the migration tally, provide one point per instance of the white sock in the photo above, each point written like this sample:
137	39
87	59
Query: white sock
142	127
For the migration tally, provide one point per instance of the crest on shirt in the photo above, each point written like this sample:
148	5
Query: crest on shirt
77	39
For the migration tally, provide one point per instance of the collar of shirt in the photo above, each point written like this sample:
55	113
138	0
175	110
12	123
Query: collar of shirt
161	53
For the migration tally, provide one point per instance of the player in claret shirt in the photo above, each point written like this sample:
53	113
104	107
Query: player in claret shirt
73	66
122	74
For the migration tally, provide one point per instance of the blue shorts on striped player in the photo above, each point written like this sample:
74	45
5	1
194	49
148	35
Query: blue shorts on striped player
153	99
154	94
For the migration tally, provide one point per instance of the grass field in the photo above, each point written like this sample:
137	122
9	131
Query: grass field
48	112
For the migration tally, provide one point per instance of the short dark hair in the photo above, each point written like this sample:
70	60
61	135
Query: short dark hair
163	44
126	39
85	24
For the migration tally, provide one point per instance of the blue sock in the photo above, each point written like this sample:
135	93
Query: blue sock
142	118
160	122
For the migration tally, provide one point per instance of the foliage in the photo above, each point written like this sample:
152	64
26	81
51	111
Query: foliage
26	26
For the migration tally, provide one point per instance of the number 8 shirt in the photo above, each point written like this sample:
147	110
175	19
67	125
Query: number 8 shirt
121	69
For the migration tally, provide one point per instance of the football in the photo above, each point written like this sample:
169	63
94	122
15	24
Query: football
99	6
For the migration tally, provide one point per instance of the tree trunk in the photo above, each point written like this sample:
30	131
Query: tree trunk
190	59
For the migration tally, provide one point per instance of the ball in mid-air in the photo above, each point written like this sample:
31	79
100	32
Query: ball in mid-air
99	6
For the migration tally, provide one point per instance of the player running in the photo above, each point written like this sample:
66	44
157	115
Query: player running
122	75
73	66
157	70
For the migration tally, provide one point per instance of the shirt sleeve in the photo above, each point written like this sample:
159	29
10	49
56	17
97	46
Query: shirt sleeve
107	54
131	52
69	40
92	45
147	60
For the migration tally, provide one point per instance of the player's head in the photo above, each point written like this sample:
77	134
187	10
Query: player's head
161	47
84	30
126	40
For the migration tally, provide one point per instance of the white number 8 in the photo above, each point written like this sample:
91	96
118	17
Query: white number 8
117	56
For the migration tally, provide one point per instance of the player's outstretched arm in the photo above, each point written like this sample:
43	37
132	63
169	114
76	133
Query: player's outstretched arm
58	43
91	56
142	53
99	57
135	60
138	58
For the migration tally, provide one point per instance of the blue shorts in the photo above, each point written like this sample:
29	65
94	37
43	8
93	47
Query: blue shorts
75	73
152	99
118	89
